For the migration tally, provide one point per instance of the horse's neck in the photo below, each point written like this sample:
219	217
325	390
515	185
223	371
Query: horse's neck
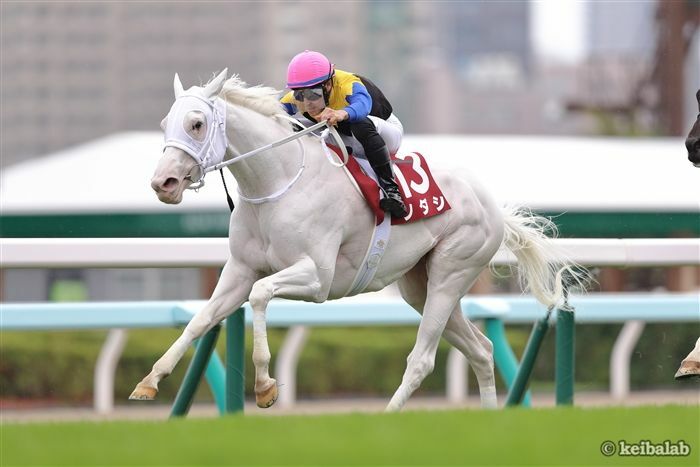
267	172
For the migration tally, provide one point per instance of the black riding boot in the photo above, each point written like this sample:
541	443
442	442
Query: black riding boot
378	157
392	201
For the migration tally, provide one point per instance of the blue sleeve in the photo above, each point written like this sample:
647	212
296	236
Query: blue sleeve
360	103
290	108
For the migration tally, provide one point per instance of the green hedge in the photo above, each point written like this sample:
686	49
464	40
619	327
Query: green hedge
335	361
59	365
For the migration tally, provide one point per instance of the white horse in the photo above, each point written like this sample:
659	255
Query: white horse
308	240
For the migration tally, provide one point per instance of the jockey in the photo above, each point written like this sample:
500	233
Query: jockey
358	108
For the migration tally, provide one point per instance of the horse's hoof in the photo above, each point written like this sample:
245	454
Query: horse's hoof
688	369
143	393
266	397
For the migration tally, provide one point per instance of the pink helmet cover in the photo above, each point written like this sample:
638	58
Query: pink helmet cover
307	69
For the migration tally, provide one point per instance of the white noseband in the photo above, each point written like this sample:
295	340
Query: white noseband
210	151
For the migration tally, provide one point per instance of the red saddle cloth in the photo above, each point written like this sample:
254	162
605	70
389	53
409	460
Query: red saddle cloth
421	194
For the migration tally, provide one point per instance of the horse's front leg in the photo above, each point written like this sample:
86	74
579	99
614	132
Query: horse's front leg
300	281
231	291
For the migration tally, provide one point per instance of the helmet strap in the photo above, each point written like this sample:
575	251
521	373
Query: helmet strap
327	93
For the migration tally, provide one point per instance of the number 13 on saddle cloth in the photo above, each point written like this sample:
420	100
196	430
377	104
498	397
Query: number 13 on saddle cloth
419	190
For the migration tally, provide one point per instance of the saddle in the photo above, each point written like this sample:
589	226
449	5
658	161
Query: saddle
419	190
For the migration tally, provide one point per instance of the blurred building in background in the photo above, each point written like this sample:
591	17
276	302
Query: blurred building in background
642	68
619	38
620	28
75	71
675	73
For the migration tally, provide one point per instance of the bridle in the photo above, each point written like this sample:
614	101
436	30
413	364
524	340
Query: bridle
212	148
210	151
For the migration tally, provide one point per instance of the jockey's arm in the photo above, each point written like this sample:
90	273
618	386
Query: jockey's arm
359	102
288	103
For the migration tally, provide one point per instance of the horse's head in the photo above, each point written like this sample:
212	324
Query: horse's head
692	142
195	138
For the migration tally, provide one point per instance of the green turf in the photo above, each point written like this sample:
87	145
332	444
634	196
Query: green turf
569	436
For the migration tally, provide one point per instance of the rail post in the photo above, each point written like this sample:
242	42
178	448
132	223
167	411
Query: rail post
532	348
564	356
506	362
193	376
235	361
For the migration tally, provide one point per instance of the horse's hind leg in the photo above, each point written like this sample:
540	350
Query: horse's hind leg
230	293
444	289
459	332
468	339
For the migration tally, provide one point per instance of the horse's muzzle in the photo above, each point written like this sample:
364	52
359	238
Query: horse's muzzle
167	185
167	189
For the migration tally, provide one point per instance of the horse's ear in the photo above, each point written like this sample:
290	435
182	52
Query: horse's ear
178	86
213	88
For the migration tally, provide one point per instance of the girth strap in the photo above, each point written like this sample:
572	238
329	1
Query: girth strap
377	246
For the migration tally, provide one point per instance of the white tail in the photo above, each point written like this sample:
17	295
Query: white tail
540	266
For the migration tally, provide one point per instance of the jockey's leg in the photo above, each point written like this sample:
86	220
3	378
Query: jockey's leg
231	291
391	131
300	281
378	156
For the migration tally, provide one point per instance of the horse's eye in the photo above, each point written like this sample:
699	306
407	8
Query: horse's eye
197	126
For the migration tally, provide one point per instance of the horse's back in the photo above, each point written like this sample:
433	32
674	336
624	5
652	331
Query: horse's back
335	227
474	223
475	220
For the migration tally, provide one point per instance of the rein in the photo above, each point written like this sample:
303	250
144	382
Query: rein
329	131
274	144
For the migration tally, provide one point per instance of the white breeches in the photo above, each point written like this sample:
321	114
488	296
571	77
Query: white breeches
391	131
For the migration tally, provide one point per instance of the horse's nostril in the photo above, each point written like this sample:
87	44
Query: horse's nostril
170	183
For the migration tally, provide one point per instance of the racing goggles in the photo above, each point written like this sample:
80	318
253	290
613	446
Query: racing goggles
311	94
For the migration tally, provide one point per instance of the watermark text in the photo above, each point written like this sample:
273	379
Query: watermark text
645	447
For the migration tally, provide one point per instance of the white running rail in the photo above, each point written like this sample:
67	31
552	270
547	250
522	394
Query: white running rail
206	252
212	252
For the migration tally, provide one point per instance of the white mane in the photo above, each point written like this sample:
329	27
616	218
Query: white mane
262	99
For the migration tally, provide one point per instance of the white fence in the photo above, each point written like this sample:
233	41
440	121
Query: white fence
208	252
212	252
